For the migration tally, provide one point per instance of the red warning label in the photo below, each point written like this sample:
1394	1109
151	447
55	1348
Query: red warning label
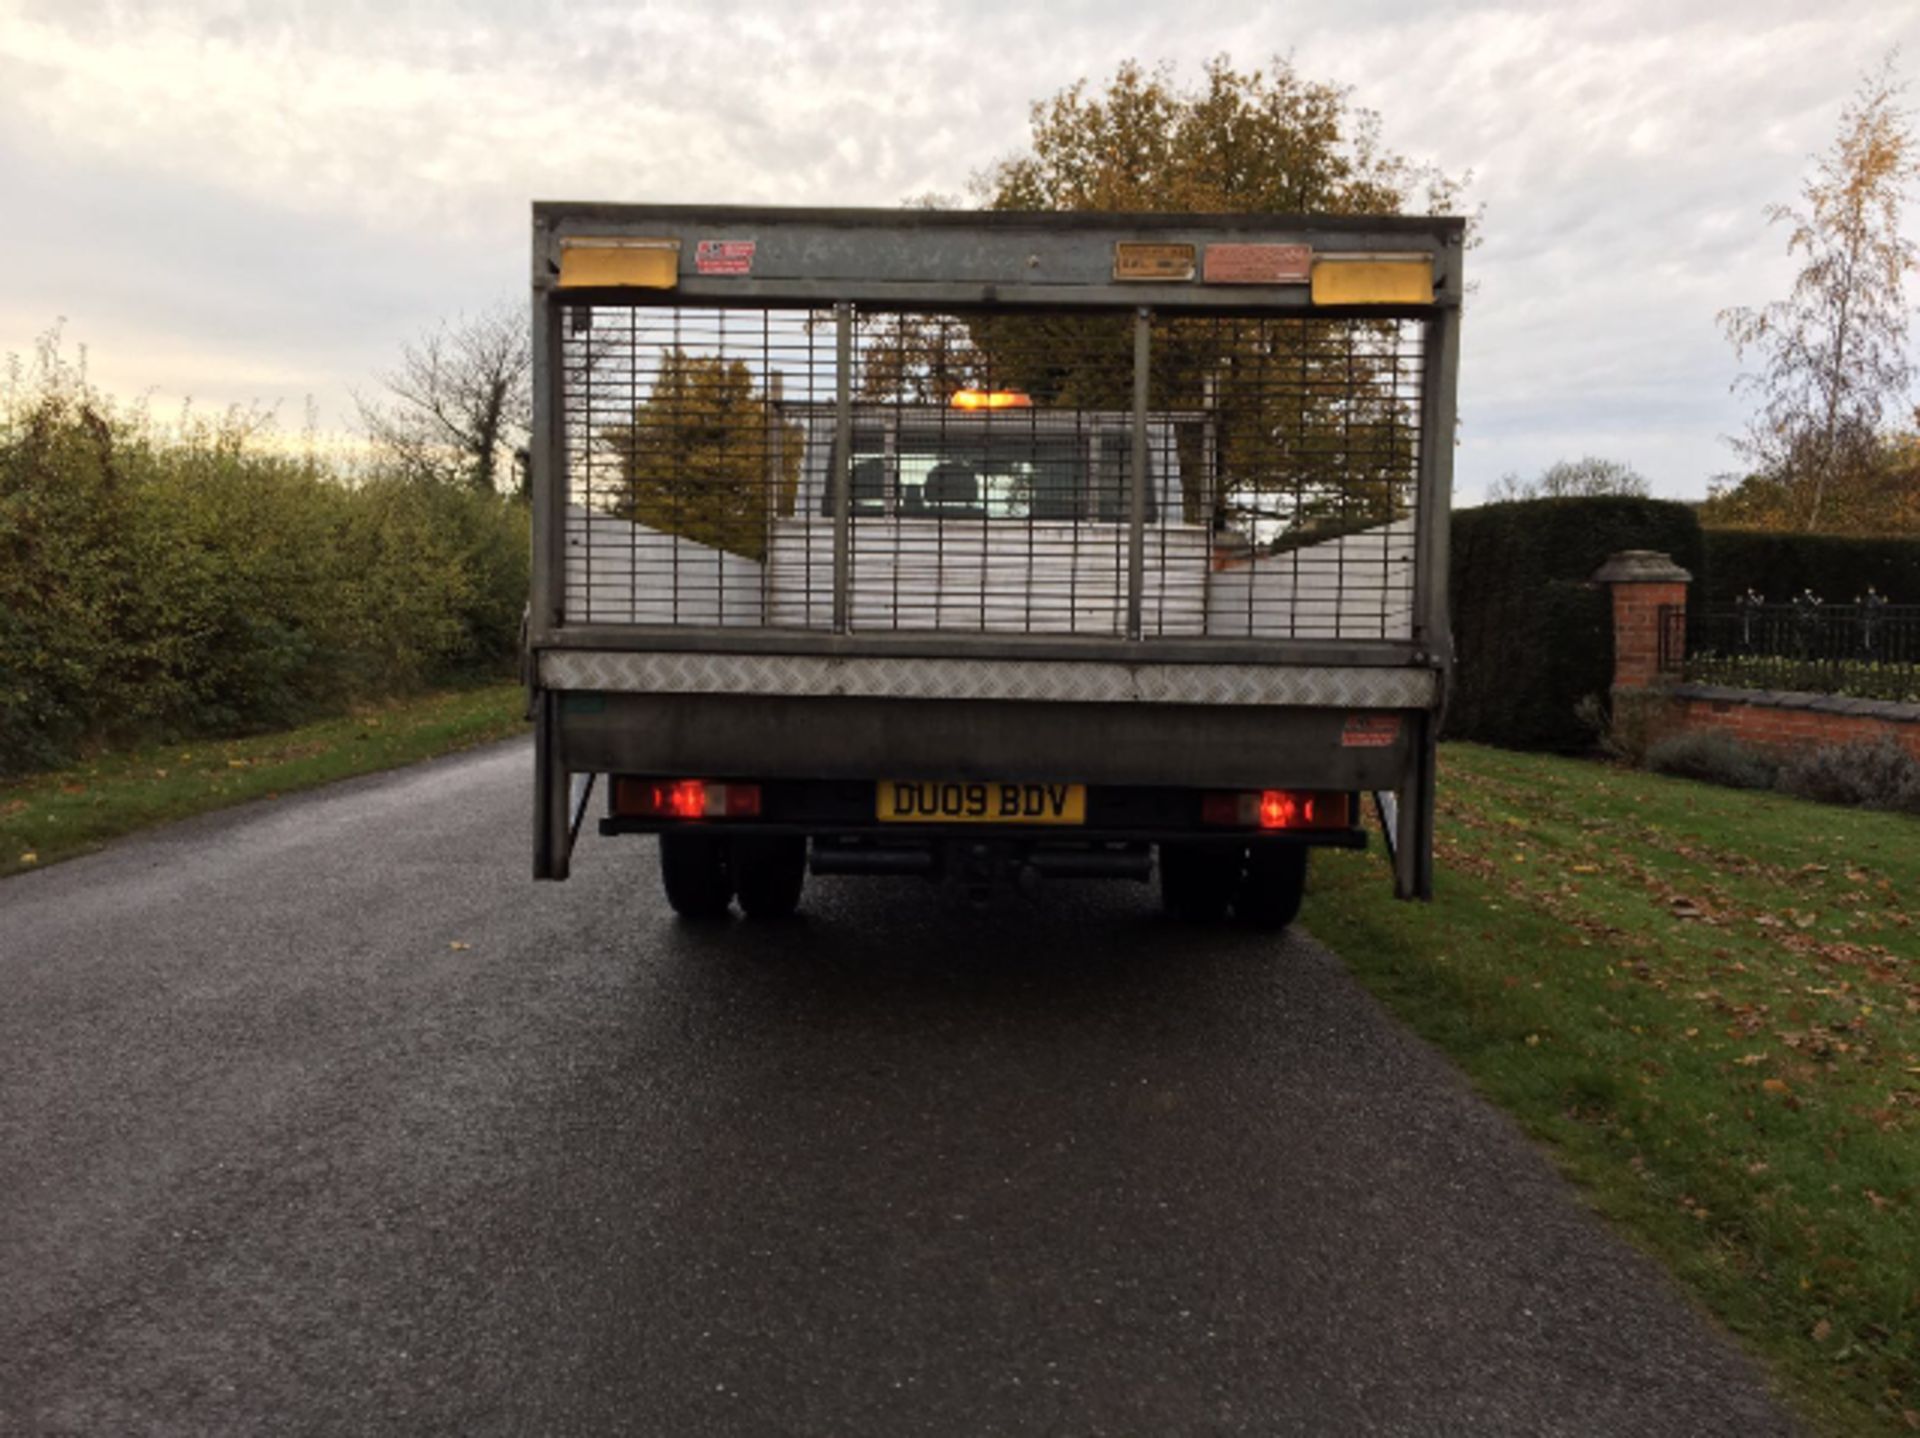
1370	731
723	257
1258	264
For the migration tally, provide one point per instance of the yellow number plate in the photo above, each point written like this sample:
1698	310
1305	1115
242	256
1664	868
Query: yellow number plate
939	801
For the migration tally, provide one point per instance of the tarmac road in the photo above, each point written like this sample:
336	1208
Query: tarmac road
320	1116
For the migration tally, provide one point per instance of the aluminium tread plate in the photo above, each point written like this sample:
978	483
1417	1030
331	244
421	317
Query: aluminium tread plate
1020	680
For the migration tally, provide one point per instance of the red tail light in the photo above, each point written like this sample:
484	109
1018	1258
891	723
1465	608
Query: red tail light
1275	809
685	799
1281	810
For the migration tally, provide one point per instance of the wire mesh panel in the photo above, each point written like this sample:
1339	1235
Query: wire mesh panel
1313	434
681	455
989	475
991	479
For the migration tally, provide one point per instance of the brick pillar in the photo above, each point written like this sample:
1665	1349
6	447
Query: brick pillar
1643	582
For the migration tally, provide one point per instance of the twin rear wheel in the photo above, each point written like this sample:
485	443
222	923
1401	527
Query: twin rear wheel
1262	883
704	873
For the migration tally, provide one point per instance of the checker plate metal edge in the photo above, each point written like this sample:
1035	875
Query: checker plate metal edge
1075	681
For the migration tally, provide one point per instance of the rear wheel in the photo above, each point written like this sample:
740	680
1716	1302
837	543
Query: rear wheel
697	871
1197	881
1274	884
769	870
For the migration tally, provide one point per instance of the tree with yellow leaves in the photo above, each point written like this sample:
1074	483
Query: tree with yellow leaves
706	456
1833	354
1310	428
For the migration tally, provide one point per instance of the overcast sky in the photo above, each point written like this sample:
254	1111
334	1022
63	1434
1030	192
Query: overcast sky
258	202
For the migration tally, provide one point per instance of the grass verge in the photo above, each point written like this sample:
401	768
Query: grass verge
1707	1004
74	811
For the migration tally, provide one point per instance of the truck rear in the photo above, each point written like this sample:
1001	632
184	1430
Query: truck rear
990	547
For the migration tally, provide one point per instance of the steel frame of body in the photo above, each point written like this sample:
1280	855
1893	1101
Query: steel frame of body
840	260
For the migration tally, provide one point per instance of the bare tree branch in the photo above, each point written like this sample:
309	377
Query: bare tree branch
1573	479
459	402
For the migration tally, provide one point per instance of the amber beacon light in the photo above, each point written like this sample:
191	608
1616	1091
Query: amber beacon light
992	399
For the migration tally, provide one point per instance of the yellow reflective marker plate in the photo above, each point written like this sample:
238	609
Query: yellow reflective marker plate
619	264
940	801
1373	282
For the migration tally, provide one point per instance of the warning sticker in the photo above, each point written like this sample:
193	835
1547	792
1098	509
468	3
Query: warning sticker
1370	731
1139	260
1258	264
723	257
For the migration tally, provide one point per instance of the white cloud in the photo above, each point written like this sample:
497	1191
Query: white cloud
260	201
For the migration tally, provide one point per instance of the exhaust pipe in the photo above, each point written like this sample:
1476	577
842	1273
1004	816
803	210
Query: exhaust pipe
828	860
1092	863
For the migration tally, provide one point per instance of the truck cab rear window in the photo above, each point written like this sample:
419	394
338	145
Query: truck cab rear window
934	474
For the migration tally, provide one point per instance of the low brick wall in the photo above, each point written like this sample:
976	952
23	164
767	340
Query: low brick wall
1649	628
1786	722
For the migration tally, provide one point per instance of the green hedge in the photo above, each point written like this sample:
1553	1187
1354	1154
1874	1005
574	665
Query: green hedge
162	585
1532	638
1836	568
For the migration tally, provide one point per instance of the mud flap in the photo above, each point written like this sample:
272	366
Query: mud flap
1406	816
552	790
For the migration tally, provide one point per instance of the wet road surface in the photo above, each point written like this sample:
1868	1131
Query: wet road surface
321	1116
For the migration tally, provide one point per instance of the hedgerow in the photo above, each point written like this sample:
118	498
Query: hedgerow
162	582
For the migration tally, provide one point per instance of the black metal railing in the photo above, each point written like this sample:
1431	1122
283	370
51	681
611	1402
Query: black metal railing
1869	649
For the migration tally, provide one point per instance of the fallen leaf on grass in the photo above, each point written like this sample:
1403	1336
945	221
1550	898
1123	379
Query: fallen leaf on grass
1822	1331
29	858
1584	869
1774	1085
1747	1061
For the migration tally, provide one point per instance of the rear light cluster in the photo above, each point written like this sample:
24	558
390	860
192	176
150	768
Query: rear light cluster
1276	809
685	799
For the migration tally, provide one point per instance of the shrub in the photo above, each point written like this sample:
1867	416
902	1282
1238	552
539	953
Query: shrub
1532	635
1713	759
157	584
1627	727
1874	773
1834	567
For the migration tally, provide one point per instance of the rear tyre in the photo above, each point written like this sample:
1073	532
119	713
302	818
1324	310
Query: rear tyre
769	870
1274	884
697	872
1197	881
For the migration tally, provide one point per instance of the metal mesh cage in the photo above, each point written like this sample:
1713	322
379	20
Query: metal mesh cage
1004	473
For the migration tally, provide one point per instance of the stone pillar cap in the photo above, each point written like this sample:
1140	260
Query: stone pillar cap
1641	566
